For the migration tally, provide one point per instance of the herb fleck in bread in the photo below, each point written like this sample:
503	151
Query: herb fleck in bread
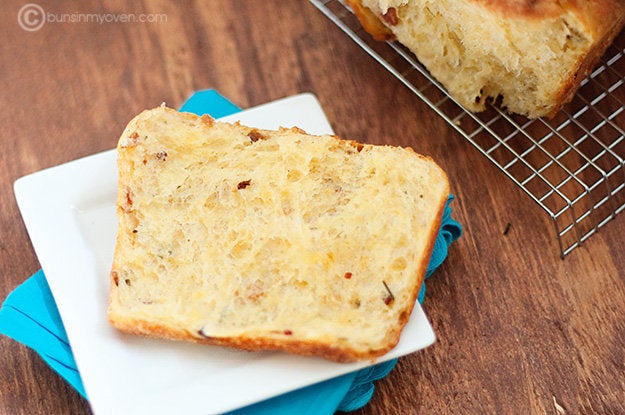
269	240
531	54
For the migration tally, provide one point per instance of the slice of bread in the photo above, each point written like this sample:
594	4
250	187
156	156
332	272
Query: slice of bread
530	55
269	240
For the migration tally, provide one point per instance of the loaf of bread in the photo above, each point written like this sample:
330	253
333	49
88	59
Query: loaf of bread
269	240
529	56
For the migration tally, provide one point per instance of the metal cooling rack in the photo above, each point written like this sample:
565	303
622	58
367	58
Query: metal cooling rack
572	166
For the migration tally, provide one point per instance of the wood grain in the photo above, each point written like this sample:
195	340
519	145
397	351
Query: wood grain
520	331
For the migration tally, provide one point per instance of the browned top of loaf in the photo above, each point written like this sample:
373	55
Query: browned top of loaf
598	16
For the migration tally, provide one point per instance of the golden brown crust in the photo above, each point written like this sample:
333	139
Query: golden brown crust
333	352
426	258
596	14
524	8
601	18
370	21
606	23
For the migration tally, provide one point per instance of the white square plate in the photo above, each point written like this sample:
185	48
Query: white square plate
69	211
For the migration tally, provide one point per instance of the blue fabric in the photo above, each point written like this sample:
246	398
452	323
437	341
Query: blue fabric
450	231
30	316
209	102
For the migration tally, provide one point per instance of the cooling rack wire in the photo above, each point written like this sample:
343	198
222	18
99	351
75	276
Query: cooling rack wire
571	165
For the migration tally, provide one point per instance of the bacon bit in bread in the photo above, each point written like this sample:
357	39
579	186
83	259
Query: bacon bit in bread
127	206
255	135
208	120
161	155
288	332
348	275
388	300
390	16
254	292
131	141
115	277
243	184
128	197
297	130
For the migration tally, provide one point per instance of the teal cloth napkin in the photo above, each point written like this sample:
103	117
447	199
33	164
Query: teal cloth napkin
29	315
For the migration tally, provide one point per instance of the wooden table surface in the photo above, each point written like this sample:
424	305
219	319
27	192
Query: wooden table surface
520	331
